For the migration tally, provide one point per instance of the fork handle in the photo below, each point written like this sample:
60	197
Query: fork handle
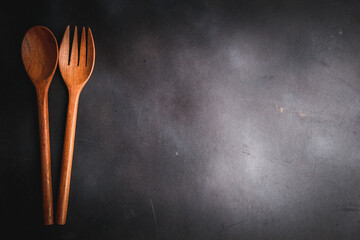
64	188
42	97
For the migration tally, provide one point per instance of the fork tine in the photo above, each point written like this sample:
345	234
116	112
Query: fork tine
82	58
74	49
64	48
90	50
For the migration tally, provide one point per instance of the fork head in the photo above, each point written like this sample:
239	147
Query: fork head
77	66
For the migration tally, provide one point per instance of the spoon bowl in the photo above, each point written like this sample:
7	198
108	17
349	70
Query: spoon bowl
40	54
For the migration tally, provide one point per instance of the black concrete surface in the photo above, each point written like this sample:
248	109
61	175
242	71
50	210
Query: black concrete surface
202	120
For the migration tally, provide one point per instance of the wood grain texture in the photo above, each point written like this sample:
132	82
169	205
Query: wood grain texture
75	73
40	57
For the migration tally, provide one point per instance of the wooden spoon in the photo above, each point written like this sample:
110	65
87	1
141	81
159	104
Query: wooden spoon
75	73
39	53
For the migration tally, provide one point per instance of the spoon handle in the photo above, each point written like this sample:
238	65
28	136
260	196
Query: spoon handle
42	97
64	188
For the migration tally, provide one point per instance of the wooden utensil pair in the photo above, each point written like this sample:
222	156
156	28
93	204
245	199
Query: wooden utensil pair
40	56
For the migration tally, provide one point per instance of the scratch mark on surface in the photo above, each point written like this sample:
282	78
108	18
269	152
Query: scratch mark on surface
350	209
155	219
138	118
279	109
349	85
302	115
230	226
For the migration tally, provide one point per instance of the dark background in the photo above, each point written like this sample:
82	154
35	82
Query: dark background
201	120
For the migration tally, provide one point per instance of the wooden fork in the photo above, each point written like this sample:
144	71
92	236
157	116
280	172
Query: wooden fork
75	74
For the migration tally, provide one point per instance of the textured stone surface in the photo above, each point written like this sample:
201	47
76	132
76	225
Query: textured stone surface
202	120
